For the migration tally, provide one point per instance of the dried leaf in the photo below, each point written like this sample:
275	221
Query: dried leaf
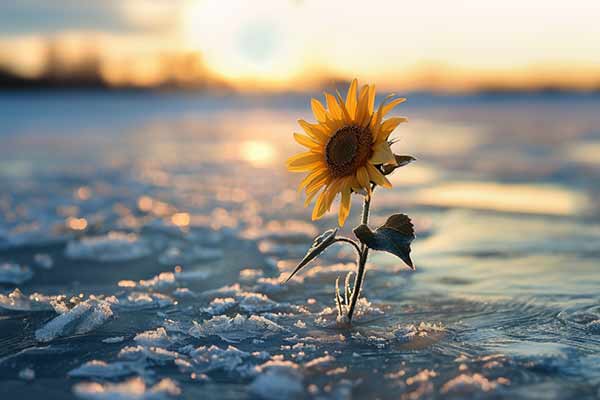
395	236
401	161
319	244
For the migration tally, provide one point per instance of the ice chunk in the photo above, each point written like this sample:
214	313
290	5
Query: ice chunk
256	302
206	359
237	328
141	300
156	354
471	384
44	260
184	293
115	339
220	305
160	281
189	255
83	318
115	246
17	301
158	337
27	374
14	274
278	380
101	369
133	389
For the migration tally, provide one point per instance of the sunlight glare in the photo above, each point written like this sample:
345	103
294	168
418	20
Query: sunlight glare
257	153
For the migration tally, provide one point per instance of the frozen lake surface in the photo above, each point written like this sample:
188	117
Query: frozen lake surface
143	239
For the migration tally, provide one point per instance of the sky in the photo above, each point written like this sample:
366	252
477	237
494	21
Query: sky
286	44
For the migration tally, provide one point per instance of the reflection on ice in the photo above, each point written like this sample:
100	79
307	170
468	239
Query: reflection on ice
534	199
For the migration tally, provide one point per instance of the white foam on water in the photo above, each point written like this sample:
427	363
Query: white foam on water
237	328
15	274
83	318
132	389
112	247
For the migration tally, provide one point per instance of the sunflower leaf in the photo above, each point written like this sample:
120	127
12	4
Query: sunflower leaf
395	236
320	243
401	161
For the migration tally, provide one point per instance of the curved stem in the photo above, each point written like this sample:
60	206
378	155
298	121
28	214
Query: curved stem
362	261
350	241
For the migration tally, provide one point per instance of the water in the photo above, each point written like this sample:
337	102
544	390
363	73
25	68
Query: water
147	236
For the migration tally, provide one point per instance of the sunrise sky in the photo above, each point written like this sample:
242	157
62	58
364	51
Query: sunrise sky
283	44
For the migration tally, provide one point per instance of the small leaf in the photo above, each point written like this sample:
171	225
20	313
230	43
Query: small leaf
395	236
401	161
319	244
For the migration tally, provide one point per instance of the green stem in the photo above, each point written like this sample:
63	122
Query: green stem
362	261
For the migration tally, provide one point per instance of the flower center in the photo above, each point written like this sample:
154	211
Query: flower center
347	150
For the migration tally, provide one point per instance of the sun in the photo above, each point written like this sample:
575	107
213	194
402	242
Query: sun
242	41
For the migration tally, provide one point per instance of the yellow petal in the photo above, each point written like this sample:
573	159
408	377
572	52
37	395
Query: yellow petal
362	107
310	195
371	104
388	107
376	123
363	178
351	99
389	125
345	204
382	154
345	114
318	210
315	131
318	110
377	177
319	174
332	191
317	183
304	161
308	142
333	106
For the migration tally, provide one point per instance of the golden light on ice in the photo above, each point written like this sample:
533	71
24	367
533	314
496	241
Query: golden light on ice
181	219
77	224
257	153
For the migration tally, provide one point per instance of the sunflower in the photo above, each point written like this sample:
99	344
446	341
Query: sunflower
347	148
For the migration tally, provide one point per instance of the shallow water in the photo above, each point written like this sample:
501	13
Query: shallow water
147	234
